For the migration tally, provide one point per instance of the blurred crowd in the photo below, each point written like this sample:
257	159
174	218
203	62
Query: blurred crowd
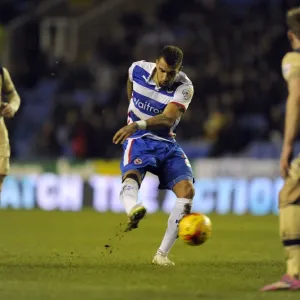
232	53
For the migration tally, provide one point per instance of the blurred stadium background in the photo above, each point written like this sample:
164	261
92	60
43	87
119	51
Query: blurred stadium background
69	61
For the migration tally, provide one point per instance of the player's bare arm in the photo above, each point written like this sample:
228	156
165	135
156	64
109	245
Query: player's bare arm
292	120
9	109
129	89
171	113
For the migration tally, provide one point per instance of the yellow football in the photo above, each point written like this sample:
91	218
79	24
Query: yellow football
195	229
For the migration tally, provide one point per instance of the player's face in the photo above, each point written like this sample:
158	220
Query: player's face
165	73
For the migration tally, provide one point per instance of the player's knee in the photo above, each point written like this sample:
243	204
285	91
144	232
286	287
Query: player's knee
290	225
189	191
184	189
289	193
136	177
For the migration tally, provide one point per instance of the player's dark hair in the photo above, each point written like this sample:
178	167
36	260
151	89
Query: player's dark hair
172	55
293	21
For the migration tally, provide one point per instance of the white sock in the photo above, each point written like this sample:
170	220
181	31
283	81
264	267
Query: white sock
181	208
129	194
293	260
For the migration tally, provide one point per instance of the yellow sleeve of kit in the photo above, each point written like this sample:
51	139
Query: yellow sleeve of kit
291	65
10	91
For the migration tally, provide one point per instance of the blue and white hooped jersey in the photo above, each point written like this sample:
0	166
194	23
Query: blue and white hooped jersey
149	100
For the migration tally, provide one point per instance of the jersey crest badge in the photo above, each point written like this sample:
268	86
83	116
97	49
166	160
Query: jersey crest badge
286	69
137	161
187	93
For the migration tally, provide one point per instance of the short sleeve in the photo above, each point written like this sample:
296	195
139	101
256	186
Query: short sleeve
131	69
183	95
291	65
8	86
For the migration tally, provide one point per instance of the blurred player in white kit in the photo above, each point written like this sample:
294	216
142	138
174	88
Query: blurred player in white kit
158	93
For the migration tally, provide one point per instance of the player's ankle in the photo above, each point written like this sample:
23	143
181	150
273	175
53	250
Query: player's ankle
294	276
161	253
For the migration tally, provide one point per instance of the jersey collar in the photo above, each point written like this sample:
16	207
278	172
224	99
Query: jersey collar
150	80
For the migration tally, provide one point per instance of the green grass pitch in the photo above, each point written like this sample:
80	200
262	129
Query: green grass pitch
56	255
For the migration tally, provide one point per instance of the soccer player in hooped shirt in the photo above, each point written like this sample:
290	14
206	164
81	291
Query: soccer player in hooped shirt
159	93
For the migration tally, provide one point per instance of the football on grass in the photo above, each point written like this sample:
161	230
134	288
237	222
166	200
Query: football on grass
195	229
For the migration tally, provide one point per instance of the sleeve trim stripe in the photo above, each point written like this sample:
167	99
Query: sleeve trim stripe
179	104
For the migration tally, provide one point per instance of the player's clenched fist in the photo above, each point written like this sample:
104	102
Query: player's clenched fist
7	111
125	132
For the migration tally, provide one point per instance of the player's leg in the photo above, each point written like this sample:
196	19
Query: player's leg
4	169
136	159
184	191
177	176
289	224
131	182
289	219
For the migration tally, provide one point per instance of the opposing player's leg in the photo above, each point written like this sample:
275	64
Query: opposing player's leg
138	156
289	224
290	235
4	169
176	175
